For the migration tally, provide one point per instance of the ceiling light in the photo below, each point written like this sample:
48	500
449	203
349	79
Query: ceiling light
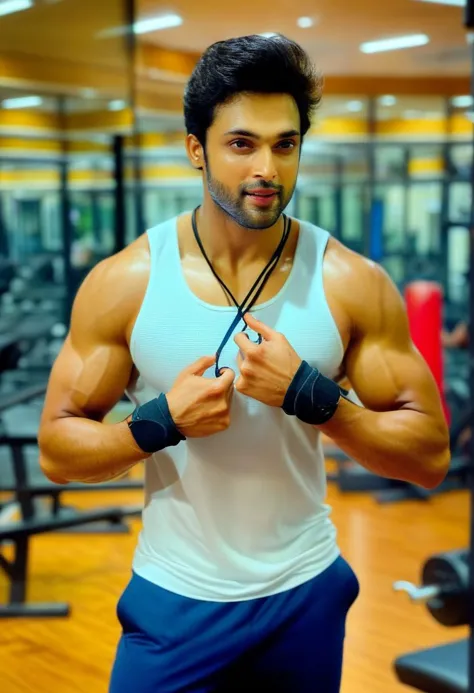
10	6
22	102
268	34
304	22
462	101
455	3
395	43
166	21
387	100
355	106
117	105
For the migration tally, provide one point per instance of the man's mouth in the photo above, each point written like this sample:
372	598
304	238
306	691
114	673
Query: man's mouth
262	193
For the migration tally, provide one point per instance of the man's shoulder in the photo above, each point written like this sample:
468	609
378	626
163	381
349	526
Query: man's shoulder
114	289
349	266
360	284
340	259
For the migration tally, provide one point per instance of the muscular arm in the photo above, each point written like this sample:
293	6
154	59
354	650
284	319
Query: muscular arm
402	433
89	378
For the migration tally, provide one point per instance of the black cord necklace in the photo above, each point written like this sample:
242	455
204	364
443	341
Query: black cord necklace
264	276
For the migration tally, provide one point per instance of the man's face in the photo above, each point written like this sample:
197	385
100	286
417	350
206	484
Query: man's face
252	157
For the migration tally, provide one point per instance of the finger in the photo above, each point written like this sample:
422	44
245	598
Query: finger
227	378
200	366
260	327
240	359
229	391
244	343
239	384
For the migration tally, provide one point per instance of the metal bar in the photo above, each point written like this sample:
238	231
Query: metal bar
96	219
10	440
6	565
23	396
446	186
371	165
23	494
66	224
42	525
19	571
118	147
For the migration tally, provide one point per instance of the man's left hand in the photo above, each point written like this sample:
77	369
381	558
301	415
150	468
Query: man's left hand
266	369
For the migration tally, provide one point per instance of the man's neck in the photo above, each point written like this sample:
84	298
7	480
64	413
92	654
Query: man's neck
232	245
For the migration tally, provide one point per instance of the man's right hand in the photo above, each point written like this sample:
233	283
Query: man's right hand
201	406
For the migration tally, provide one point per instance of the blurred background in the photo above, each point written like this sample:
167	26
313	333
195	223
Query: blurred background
91	128
92	154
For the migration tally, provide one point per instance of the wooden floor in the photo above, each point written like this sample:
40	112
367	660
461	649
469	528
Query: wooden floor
383	544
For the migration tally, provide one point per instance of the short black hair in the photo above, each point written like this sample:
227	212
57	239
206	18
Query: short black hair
250	64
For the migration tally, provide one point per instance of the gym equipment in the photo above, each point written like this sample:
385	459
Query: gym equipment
31	314
442	669
444	587
450	668
445	590
31	309
35	518
424	309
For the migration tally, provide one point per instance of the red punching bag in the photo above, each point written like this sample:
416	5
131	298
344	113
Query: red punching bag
424	302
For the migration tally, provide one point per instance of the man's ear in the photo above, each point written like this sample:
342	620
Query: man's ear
195	152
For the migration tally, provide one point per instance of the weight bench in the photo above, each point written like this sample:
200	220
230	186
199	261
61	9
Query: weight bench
442	669
33	520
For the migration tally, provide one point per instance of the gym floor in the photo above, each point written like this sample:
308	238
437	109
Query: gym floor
382	543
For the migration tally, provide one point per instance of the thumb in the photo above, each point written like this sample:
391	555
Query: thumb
227	377
200	366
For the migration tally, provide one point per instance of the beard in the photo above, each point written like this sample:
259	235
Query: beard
236	205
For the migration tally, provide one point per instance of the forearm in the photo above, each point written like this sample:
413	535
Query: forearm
76	449
402	444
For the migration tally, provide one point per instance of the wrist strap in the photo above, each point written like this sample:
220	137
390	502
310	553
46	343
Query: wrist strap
312	397
153	427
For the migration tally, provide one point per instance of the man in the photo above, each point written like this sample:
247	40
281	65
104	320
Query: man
238	582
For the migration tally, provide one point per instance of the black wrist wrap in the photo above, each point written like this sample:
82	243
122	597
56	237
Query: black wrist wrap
153	427
311	397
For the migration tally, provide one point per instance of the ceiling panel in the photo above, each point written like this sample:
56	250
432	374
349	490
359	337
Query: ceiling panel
333	42
69	30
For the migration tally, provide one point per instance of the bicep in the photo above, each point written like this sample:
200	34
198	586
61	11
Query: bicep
87	382
383	365
94	366
387	377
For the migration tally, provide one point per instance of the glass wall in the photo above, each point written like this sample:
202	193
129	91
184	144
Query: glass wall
59	208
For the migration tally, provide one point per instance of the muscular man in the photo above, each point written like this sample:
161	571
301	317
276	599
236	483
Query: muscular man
238	582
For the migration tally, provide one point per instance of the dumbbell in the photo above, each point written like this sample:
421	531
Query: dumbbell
444	587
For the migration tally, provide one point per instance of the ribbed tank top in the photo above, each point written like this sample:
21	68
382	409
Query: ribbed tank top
240	514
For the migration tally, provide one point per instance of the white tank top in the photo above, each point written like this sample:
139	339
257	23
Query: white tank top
240	514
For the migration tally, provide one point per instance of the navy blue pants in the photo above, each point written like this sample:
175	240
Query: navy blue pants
291	642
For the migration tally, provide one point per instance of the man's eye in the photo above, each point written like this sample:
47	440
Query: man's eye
240	144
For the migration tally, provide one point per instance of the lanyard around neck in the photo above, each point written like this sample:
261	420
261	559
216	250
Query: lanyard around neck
264	277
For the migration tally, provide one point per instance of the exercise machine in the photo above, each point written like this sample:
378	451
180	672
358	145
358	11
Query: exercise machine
447	584
444	589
